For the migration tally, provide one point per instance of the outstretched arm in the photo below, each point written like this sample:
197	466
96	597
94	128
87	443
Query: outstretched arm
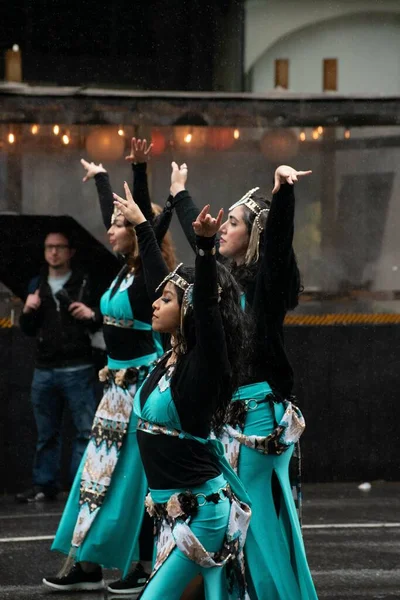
182	202
104	191
153	264
278	235
210	335
139	156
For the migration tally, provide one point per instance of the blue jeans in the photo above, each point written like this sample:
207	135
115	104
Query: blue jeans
51	389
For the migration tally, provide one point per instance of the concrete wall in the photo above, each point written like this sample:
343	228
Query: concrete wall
364	35
365	46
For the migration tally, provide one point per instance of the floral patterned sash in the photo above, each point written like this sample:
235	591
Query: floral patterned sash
173	528
286	433
109	428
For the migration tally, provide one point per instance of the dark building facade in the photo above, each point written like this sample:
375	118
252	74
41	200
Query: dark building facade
147	44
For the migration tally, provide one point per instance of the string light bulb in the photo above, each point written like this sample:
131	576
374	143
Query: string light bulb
34	129
315	134
188	138
11	138
65	139
347	134
236	134
302	136
56	129
320	130
121	132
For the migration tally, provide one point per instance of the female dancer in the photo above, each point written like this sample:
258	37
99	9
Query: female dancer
201	524
97	526
257	240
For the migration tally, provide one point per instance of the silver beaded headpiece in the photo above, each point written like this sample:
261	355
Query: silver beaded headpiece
253	249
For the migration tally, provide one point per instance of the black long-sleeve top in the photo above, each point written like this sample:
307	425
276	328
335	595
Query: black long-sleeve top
267	293
200	381
140	192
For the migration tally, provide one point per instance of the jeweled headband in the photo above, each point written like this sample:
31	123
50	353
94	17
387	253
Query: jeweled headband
180	281
176	280
116	213
187	299
253	249
246	199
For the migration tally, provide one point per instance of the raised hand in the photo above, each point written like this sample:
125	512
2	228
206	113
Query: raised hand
32	302
91	169
205	225
286	174
178	178
140	151
128	207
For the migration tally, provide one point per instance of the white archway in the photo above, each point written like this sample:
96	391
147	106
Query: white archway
267	21
366	45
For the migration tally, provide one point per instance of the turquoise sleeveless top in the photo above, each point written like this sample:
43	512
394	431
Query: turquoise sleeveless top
160	409
117	311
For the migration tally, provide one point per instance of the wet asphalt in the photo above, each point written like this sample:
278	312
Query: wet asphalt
352	540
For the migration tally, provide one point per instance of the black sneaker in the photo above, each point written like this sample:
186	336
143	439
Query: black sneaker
77	580
133	582
36	494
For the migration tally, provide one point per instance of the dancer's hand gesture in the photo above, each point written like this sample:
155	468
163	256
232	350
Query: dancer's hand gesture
140	151
91	169
178	178
128	207
205	225
286	174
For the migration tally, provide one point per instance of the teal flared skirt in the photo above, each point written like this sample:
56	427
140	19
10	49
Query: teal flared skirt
276	563
112	540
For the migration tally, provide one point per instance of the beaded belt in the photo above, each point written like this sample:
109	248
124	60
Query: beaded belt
185	504
124	323
252	403
123	377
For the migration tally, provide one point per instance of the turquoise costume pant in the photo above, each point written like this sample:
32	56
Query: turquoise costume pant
209	525
276	564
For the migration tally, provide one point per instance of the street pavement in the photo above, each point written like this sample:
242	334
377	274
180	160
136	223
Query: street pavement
352	540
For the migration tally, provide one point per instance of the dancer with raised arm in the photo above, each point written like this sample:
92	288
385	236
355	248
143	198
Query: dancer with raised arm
102	519
195	497
256	244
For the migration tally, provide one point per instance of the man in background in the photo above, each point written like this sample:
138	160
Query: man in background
59	311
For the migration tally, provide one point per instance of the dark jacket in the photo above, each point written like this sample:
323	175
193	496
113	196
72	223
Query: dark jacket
62	340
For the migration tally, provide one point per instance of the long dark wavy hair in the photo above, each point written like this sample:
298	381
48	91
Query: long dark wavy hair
245	274
238	334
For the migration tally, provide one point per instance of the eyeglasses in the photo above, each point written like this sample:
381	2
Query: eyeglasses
50	247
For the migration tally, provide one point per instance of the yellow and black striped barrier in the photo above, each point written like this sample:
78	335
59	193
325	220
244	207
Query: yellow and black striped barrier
5	323
317	320
344	319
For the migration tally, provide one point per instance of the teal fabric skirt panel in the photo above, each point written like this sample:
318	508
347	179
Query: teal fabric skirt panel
113	363
112	540
276	563
209	525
